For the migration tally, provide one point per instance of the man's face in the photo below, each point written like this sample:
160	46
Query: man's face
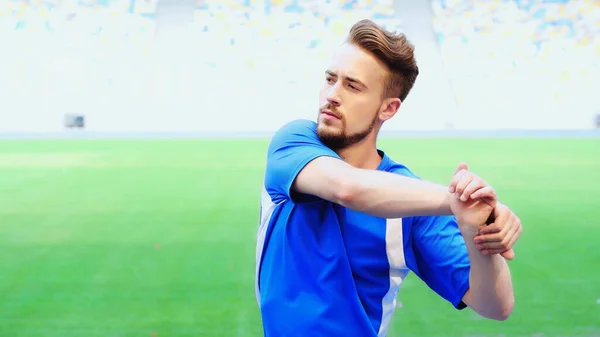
351	97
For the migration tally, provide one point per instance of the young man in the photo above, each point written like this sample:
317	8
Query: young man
342	224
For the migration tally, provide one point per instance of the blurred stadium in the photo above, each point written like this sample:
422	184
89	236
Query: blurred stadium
106	234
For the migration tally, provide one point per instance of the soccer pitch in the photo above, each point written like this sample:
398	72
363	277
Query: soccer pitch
143	238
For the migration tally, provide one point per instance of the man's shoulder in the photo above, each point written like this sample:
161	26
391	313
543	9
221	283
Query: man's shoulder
297	132
393	166
297	126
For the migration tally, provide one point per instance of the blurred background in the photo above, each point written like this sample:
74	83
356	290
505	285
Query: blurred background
181	65
106	234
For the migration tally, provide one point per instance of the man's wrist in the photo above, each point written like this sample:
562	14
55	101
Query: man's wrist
468	231
448	203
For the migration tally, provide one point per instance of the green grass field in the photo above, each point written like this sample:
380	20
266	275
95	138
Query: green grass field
107	238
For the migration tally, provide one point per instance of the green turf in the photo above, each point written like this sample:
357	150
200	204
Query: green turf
81	221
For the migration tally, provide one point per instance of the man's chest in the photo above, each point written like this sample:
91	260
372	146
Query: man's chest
373	245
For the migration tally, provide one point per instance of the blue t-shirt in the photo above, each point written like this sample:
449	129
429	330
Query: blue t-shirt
325	270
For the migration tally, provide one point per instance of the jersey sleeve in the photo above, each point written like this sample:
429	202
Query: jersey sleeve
292	147
439	257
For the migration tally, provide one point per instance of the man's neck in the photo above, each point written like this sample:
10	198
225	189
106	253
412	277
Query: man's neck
362	155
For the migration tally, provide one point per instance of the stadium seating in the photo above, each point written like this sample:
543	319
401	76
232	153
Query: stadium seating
540	52
545	52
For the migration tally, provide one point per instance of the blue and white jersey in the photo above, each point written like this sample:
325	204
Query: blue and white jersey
325	270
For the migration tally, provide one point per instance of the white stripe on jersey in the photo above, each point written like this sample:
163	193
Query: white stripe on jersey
266	211
398	270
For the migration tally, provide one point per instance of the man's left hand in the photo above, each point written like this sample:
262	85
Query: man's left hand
500	236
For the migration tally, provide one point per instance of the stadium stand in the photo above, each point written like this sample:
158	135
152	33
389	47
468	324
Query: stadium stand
541	54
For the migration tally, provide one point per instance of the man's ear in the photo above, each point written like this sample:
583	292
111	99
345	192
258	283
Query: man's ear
389	107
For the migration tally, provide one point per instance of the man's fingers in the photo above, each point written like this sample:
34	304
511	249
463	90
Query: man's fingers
492	245
461	166
509	254
487	192
504	240
461	169
511	234
479	189
491	240
465	180
492	251
495	227
455	180
474	185
501	215
493	237
501	236
516	234
496	231
512	242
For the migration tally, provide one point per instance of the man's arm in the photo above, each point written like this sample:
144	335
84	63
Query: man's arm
490	286
298	163
447	260
491	292
381	194
451	256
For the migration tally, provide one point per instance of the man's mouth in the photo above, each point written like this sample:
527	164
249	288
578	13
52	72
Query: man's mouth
330	113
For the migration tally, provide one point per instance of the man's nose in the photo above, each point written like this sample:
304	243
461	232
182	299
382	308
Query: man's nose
333	96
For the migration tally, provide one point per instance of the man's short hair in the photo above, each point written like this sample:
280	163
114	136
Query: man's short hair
392	49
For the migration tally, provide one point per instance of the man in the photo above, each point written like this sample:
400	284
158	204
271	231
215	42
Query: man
342	224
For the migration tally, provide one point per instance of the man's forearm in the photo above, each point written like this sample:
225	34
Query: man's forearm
490	285
390	195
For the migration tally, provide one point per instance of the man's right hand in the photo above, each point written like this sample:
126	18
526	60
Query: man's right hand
473	203
473	200
500	236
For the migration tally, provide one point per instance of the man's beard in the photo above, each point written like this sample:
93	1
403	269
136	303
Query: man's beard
339	139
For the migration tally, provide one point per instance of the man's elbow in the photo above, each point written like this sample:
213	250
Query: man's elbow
507	309
502	315
503	311
346	192
350	189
